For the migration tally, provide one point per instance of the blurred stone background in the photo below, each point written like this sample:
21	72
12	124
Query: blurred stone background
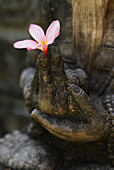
15	18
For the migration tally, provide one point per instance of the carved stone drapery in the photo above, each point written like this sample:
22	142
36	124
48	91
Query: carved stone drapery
88	27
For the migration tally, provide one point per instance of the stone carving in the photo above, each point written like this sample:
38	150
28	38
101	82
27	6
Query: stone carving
75	106
30	150
64	106
75	116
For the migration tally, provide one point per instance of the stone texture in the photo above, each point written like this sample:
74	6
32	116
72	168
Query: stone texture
18	151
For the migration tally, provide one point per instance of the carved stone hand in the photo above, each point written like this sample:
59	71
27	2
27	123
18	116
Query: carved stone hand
60	105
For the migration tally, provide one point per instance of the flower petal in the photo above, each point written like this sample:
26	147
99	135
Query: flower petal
52	32
37	33
29	44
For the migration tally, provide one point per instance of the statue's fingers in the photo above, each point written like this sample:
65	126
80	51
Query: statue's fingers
59	86
43	69
41	65
44	79
85	103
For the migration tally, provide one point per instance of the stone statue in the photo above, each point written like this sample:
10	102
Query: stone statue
72	104
75	116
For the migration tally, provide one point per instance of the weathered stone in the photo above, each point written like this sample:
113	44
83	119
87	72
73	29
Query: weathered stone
49	91
18	151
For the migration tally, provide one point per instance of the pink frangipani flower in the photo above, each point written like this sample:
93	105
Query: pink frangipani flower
42	40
